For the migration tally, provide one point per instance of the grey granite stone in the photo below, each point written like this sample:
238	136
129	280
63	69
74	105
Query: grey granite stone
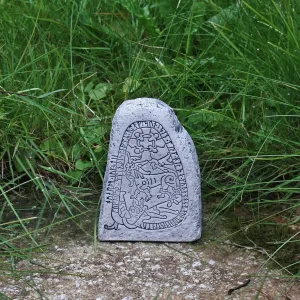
151	187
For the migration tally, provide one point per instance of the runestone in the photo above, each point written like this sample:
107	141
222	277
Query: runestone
151	187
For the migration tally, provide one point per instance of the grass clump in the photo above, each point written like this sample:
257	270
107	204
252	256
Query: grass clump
272	236
230	69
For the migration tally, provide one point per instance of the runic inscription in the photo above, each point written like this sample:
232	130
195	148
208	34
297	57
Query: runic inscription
146	182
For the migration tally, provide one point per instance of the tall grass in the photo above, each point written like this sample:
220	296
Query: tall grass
230	69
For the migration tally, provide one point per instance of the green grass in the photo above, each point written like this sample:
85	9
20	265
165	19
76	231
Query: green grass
229	69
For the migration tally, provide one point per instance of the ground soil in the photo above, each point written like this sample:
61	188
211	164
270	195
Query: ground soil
74	266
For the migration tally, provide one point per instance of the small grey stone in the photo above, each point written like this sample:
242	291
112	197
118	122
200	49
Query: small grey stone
151	187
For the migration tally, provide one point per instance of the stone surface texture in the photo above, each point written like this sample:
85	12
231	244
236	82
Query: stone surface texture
74	269
151	188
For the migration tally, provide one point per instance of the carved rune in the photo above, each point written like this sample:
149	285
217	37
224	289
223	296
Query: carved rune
147	181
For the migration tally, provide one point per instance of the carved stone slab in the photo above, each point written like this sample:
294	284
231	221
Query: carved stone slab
151	187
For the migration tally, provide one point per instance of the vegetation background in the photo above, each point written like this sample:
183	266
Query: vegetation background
230	69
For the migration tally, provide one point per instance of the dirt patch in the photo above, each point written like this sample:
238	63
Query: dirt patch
130	271
74	267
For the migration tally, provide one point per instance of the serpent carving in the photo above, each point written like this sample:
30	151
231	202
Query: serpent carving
147	184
